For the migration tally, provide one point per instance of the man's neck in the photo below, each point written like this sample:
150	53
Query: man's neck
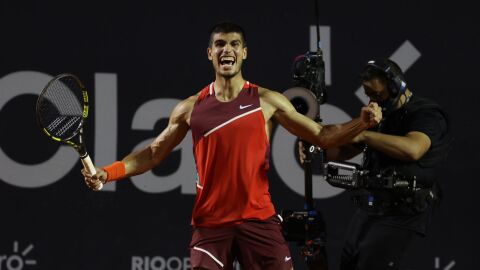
227	89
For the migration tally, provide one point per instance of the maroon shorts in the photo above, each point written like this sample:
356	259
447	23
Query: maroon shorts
256	244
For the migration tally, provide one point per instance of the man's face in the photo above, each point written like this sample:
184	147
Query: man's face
227	53
376	89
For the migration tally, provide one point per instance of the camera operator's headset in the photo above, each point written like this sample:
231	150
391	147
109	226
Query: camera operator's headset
395	78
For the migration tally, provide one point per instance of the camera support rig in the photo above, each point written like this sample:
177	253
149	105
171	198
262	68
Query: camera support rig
306	226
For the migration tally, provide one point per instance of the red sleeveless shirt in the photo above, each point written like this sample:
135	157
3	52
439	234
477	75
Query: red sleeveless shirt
231	151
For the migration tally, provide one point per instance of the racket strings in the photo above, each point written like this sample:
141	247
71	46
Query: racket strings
67	96
61	107
68	126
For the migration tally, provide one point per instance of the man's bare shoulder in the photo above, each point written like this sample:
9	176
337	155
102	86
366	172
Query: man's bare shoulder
264	91
192	99
184	108
274	98
268	94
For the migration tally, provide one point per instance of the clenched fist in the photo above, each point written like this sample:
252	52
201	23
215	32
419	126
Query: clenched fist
95	182
371	114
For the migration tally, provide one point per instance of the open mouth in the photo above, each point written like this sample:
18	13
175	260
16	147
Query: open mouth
227	61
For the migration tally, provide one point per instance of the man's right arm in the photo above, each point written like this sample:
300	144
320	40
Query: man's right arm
143	160
149	157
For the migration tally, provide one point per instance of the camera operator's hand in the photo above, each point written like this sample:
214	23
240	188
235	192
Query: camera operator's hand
371	114
95	182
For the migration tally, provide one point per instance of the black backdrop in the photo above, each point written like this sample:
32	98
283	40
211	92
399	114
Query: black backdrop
155	51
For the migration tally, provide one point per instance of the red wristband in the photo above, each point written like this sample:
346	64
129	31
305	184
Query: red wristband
115	171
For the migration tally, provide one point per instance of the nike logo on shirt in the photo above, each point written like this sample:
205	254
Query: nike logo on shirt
287	258
246	106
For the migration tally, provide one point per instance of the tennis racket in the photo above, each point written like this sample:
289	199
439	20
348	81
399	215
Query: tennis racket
62	109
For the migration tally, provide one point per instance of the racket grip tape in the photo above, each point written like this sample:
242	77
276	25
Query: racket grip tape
88	165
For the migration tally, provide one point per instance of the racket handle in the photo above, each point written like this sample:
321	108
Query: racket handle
89	167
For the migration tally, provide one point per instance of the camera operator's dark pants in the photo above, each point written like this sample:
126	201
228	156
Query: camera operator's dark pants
371	245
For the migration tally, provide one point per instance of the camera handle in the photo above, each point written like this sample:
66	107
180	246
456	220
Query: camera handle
307	167
313	249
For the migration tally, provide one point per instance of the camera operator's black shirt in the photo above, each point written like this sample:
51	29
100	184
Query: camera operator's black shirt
425	116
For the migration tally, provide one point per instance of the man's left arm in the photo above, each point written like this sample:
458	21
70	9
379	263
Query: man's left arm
324	136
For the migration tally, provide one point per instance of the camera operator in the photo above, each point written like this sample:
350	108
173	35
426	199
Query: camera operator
401	158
